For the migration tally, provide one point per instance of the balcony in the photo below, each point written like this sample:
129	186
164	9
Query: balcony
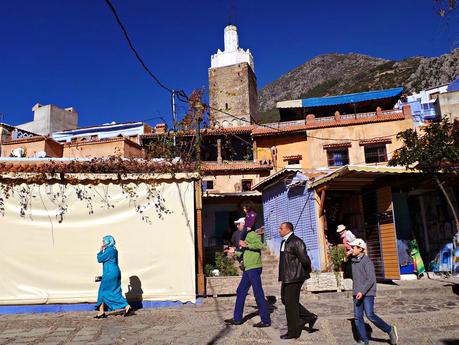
313	122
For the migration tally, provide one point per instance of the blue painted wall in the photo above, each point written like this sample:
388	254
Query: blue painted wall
295	205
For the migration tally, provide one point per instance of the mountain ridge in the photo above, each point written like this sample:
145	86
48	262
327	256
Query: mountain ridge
336	73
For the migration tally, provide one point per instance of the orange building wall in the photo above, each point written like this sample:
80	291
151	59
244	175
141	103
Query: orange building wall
102	149
226	182
286	146
318	155
312	149
52	149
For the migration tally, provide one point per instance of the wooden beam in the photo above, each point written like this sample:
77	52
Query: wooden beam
201	287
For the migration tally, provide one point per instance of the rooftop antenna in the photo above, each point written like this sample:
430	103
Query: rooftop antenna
232	13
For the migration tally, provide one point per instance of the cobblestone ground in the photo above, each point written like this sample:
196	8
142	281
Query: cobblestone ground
425	315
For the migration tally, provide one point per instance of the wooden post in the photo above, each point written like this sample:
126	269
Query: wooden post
199	239
323	249
219	151
254	150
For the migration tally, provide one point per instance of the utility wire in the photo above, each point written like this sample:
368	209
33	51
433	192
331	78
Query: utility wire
131	46
183	97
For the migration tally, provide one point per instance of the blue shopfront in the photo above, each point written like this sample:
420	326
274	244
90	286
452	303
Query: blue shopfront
286	198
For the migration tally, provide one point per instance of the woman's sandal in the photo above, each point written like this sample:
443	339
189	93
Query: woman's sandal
101	316
128	312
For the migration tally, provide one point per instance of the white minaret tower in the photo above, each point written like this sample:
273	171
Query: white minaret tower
233	93
232	54
231	39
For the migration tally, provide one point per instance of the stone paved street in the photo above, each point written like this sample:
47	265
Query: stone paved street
426	312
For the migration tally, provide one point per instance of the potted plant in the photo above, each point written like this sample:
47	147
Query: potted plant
332	280
222	278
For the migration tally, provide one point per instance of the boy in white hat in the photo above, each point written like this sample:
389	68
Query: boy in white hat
346	236
364	292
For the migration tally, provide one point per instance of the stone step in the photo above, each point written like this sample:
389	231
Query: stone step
385	291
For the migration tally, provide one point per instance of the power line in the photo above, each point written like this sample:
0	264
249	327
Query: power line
183	97
131	46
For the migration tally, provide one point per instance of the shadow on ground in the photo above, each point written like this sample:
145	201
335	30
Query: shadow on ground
227	329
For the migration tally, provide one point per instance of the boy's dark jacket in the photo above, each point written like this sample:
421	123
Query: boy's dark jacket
363	276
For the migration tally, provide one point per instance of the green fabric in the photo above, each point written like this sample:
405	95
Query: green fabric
252	254
417	259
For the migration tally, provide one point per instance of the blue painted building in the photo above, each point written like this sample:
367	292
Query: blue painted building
286	198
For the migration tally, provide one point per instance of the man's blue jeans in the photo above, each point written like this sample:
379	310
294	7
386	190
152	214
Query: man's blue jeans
251	278
367	304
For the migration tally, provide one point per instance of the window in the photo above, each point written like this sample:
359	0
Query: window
434	95
207	185
293	162
337	157
246	185
375	154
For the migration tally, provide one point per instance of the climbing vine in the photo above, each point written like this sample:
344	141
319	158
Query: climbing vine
61	183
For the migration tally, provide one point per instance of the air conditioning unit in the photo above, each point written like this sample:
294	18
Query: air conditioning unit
40	154
18	152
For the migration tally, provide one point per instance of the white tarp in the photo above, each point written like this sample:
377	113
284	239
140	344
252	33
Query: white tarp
44	261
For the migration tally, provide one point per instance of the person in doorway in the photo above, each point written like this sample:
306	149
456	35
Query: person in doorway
249	224
364	292
227	235
294	269
346	237
110	296
240	224
250	216
236	237
251	278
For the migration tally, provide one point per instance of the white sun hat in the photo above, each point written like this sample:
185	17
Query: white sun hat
358	242
240	221
341	228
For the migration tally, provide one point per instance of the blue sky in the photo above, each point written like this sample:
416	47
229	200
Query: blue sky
72	53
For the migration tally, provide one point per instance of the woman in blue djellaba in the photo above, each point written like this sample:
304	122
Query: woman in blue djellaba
110	296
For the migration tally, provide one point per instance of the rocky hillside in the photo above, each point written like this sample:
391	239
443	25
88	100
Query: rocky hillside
332	74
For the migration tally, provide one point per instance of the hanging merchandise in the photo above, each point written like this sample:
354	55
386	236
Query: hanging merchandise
417	260
455	261
446	255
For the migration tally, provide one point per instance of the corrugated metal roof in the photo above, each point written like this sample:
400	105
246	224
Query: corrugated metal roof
240	166
274	176
368	170
341	99
351	98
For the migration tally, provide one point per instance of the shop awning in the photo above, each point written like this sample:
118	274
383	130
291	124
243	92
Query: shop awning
356	176
236	194
274	177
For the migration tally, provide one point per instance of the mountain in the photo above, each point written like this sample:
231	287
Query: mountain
334	74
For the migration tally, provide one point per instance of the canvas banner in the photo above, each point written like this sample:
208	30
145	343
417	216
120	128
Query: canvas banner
48	255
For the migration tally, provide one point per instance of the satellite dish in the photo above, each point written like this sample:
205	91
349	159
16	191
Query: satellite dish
18	152
40	154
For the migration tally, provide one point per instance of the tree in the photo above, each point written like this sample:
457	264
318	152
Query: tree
446	7
433	152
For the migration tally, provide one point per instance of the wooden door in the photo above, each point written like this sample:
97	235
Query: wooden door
387	234
380	232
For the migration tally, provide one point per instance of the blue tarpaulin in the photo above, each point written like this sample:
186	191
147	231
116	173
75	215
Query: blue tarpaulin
351	98
454	86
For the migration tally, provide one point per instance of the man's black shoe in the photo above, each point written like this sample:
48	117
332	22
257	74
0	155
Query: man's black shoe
288	336
312	323
233	322
262	325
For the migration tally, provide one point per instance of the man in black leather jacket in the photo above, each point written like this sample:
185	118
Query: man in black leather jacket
294	269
